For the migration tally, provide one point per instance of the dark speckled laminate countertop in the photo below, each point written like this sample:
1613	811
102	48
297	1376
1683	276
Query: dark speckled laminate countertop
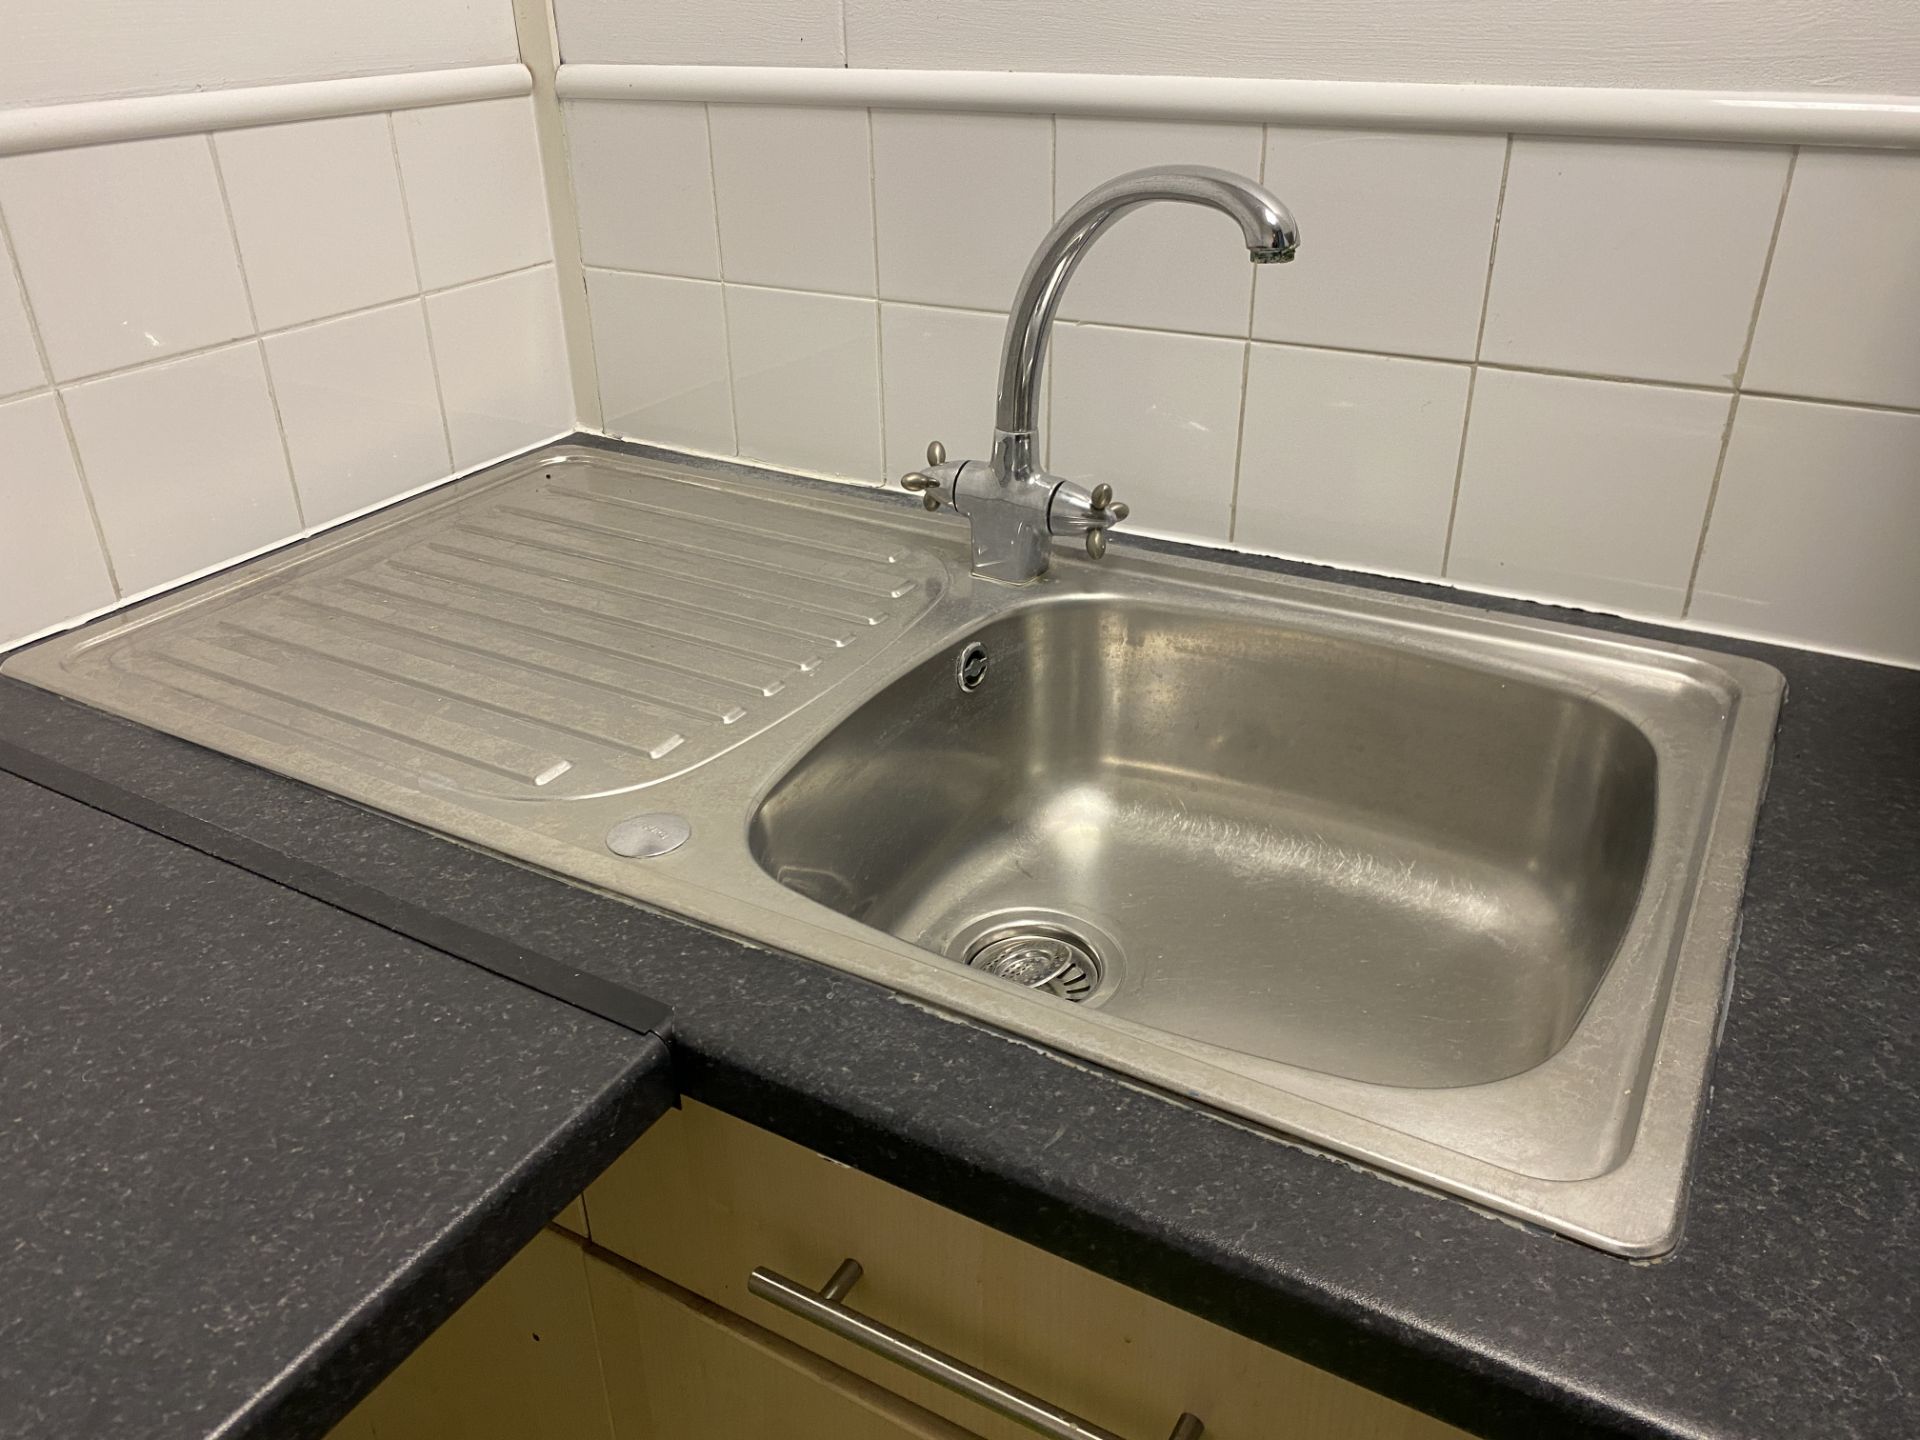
253	1148
1787	1311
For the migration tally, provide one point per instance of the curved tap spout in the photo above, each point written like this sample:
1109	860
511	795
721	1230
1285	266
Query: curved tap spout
1013	507
1265	223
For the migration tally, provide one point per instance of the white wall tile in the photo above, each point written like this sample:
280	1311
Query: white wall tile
794	187
1350	459
644	187
1813	530
1396	231
939	368
806	379
1756	45
961	201
503	364
1173	267
317	210
1631	258
1841	317
673	32
662	349
51	567
185	464
474	189
126	252
1156	416
20	367
360	409
1585	490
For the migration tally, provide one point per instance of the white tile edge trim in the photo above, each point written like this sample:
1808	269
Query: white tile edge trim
139	117
306	532
1878	121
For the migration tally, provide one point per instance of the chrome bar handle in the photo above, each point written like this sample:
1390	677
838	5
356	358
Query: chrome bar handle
824	1309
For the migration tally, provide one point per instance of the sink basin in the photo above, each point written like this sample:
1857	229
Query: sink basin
1321	851
1447	892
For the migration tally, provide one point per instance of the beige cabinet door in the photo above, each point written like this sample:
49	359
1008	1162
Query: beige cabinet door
702	1198
516	1362
678	1368
573	1218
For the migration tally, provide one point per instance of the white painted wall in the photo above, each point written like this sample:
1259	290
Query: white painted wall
1840	45
95	49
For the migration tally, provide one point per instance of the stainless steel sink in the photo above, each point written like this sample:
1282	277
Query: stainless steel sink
1445	891
1314	849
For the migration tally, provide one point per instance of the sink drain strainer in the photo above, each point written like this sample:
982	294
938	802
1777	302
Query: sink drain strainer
1040	958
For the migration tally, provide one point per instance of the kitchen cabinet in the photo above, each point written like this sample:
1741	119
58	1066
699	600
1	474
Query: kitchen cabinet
518	1361
666	1342
703	1198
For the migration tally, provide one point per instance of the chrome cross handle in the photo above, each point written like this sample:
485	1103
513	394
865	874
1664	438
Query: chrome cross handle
1100	513
928	485
1020	516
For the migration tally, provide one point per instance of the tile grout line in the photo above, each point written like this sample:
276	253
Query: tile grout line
419	287
719	264
259	344
1246	370
1098	324
1473	375
1690	387
1713	494
230	341
59	404
1872	407
1459	469
428	292
1739	377
1766	270
593	344
1239	442
79	382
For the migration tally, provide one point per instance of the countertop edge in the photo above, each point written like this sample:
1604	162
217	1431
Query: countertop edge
319	1388
380	1322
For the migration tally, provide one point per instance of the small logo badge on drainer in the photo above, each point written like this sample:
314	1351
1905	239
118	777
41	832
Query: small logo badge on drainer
971	668
641	837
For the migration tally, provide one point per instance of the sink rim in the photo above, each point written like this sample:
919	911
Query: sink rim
820	829
1633	1208
1242	1090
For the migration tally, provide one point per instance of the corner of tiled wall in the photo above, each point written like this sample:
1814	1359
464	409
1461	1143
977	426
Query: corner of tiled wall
1674	380
213	343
